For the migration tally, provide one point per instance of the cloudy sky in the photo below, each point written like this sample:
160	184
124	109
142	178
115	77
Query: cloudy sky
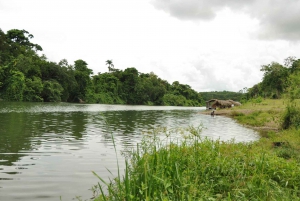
211	45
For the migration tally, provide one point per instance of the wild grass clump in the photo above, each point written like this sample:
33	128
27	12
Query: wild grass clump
291	117
256	118
235	113
202	169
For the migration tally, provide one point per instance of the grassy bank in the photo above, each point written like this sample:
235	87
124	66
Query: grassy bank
260	115
201	169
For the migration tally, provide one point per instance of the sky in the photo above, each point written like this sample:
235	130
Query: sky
211	45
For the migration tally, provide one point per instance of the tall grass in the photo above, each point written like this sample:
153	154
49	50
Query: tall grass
202	169
291	116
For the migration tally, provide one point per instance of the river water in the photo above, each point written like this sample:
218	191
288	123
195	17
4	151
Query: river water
49	150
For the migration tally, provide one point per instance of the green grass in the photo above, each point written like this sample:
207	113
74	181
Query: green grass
257	118
267	113
202	169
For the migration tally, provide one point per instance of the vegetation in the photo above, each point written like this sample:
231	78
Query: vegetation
26	76
201	169
278	80
192	169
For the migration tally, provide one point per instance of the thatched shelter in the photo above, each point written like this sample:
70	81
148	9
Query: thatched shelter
215	103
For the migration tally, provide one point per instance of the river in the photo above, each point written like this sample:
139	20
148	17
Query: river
49	150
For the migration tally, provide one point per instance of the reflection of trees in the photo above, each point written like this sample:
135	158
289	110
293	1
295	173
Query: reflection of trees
124	123
17	130
79	120
25	131
15	133
127	124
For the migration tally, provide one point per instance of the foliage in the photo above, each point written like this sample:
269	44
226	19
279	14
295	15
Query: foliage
52	91
33	90
294	85
27	76
176	100
275	79
255	91
15	86
278	80
110	65
151	89
129	79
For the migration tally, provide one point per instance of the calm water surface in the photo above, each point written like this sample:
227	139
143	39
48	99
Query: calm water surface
48	150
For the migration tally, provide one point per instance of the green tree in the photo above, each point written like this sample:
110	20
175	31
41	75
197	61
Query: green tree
67	80
4	49
82	77
255	91
174	100
106	88
52	91
275	79
294	86
150	89
295	66
129	80
33	89
110	65
15	86
192	97
19	42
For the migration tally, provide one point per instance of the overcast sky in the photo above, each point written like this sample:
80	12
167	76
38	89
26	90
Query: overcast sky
211	45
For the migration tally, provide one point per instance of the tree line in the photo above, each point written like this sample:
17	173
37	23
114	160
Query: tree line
223	95
278	80
27	76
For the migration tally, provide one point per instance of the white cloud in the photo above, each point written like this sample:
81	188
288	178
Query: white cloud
278	19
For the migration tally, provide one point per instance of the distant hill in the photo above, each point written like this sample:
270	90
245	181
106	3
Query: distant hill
222	95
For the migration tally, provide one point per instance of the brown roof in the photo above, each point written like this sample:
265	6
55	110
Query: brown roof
224	102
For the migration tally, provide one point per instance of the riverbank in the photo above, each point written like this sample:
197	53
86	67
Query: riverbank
201	169
263	117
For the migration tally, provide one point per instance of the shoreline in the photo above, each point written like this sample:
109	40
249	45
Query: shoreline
231	113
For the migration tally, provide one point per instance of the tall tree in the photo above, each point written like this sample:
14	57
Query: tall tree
275	79
110	65
82	77
129	81
4	48
19	41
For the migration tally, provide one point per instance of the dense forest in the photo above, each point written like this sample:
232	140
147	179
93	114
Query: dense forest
27	76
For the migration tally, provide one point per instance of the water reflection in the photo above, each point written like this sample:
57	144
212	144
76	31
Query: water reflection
48	150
